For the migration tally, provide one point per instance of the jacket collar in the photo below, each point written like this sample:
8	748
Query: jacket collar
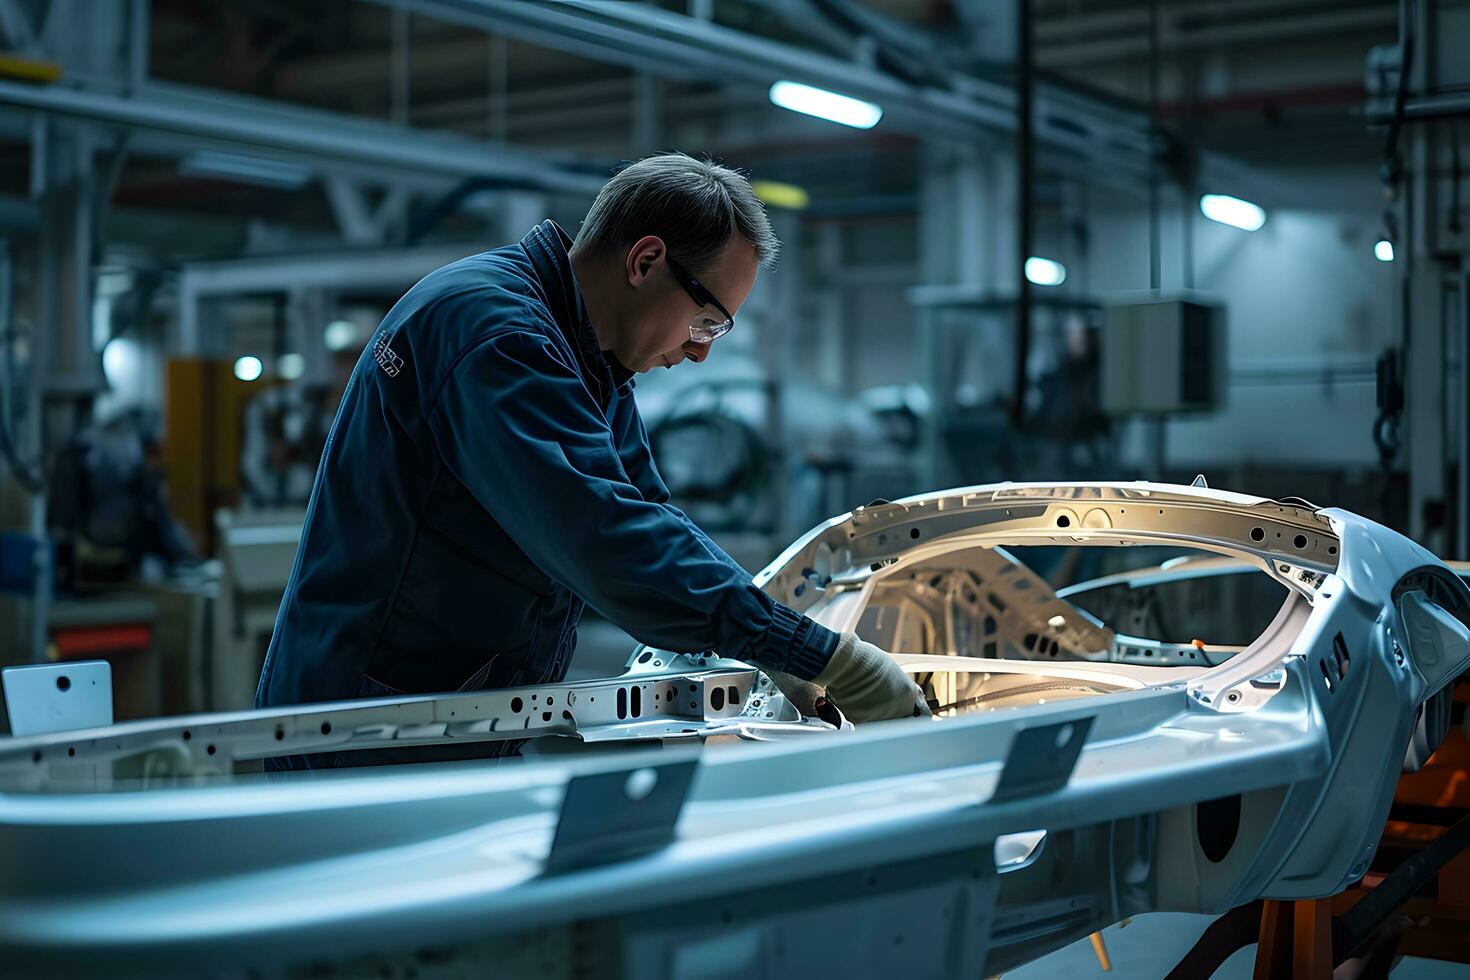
548	246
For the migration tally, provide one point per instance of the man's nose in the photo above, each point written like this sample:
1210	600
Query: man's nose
696	352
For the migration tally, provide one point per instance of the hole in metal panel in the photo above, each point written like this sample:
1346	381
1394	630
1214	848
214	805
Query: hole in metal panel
1340	653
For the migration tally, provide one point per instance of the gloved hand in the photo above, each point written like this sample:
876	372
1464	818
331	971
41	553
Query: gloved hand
867	685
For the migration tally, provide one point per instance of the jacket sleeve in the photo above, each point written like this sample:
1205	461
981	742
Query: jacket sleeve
517	426
632	441
631	438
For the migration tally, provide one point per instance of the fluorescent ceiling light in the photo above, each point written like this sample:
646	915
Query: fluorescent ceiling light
777	195
291	366
1232	211
1383	250
248	368
249	170
826	105
1045	272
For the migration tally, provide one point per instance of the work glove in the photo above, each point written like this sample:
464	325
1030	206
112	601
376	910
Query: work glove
867	685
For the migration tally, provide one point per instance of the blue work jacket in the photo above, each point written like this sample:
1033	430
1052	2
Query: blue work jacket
486	475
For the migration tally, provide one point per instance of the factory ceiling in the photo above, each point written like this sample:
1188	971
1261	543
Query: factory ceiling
1243	79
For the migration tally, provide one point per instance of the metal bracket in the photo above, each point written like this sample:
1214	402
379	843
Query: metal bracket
612	816
44	698
1041	759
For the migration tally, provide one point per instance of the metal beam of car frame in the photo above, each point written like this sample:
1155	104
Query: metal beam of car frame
889	836
319	134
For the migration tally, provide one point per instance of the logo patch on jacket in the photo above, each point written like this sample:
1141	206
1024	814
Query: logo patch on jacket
389	361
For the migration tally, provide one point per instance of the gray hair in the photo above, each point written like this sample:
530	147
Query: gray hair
696	206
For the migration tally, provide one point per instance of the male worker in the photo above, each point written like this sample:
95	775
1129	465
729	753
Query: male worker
488	474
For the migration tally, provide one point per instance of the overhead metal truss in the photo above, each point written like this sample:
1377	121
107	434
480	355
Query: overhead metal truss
666	44
1094	137
317	134
1076	132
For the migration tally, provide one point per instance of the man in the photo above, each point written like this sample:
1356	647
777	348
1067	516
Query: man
488	473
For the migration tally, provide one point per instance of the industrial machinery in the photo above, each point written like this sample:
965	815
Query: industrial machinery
1074	774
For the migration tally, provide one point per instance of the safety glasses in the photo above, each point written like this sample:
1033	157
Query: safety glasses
712	321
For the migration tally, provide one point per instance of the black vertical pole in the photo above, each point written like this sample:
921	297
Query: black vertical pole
1024	194
1155	259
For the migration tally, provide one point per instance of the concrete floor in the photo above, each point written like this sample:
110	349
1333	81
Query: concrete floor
1149	946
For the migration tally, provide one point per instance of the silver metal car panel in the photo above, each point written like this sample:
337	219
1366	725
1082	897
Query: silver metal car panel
779	847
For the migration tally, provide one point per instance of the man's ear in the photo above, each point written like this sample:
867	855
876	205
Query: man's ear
643	257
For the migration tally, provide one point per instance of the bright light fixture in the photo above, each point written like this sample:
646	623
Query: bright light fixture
291	366
121	362
1045	272
779	195
827	105
1383	250
340	335
248	368
1232	211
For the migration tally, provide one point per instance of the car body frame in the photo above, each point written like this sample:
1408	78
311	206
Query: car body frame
1074	776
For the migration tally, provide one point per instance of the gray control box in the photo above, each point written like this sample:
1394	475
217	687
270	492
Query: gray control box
1162	356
